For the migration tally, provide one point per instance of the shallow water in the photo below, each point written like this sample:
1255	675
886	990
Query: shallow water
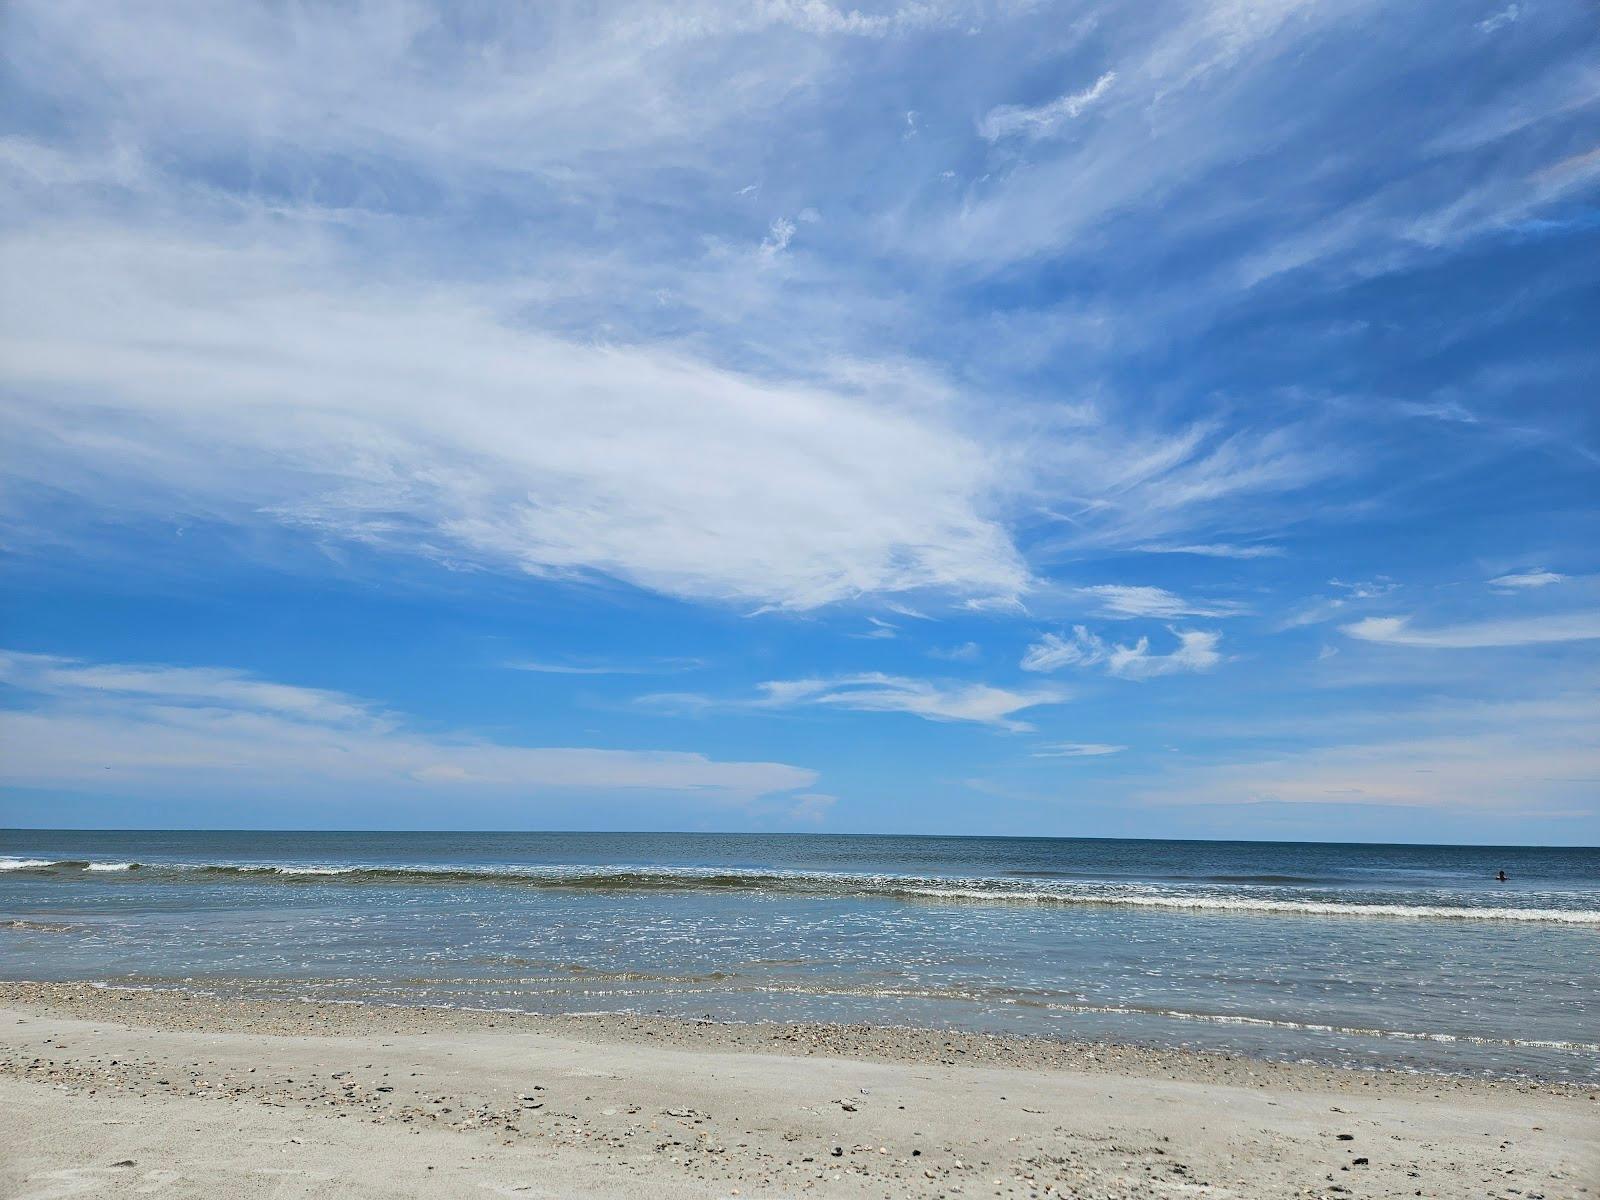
1399	956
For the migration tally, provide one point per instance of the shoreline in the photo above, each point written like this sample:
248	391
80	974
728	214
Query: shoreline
651	1106
177	1008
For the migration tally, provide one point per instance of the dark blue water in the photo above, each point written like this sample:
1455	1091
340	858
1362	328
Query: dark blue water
1399	956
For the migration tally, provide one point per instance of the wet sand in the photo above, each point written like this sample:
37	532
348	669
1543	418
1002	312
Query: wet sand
109	1093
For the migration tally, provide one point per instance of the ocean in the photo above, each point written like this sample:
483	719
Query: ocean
1405	957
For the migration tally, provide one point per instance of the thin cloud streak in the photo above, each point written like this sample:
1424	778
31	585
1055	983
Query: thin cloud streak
1119	600
1527	579
1077	750
931	700
1010	120
152	726
1217	550
1518	631
653	667
1539	756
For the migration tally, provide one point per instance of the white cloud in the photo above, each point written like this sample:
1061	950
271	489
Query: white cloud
231	383
1506	16
778	237
1364	589
965	652
404	83
1526	579
1519	631
1053	651
1535	758
1191	120
873	692
1177	122
231	374
1196	651
204	686
812	807
1118	600
1218	550
1327	608
1077	750
880	630
1009	120
164	728
516	411
905	610
815	16
654	666
975	702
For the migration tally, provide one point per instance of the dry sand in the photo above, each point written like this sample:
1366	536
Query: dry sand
110	1093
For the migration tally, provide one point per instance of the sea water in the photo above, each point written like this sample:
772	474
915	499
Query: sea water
1410	957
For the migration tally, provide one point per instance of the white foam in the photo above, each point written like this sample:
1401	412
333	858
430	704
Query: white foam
1560	916
902	887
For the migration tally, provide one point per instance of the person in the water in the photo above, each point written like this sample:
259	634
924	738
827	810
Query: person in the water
1501	877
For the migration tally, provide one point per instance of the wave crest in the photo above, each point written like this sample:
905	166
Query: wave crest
1056	892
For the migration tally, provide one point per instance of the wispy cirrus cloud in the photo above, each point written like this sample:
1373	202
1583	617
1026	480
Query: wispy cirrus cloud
878	630
1196	651
932	700
1054	650
1364	589
131	727
1348	595
439	385
1077	750
1119	600
424	417
1217	550
1522	580
49	675
653	666
485	442
1513	631
1042	120
1506	16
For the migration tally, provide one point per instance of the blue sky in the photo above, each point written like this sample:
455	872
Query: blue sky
1174	419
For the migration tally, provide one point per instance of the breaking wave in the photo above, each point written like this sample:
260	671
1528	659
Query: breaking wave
1238	898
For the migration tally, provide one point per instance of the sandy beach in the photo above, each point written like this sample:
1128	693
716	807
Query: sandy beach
109	1092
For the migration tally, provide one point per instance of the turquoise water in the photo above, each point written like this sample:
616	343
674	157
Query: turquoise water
1399	956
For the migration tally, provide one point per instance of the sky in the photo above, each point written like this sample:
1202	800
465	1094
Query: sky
1154	420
